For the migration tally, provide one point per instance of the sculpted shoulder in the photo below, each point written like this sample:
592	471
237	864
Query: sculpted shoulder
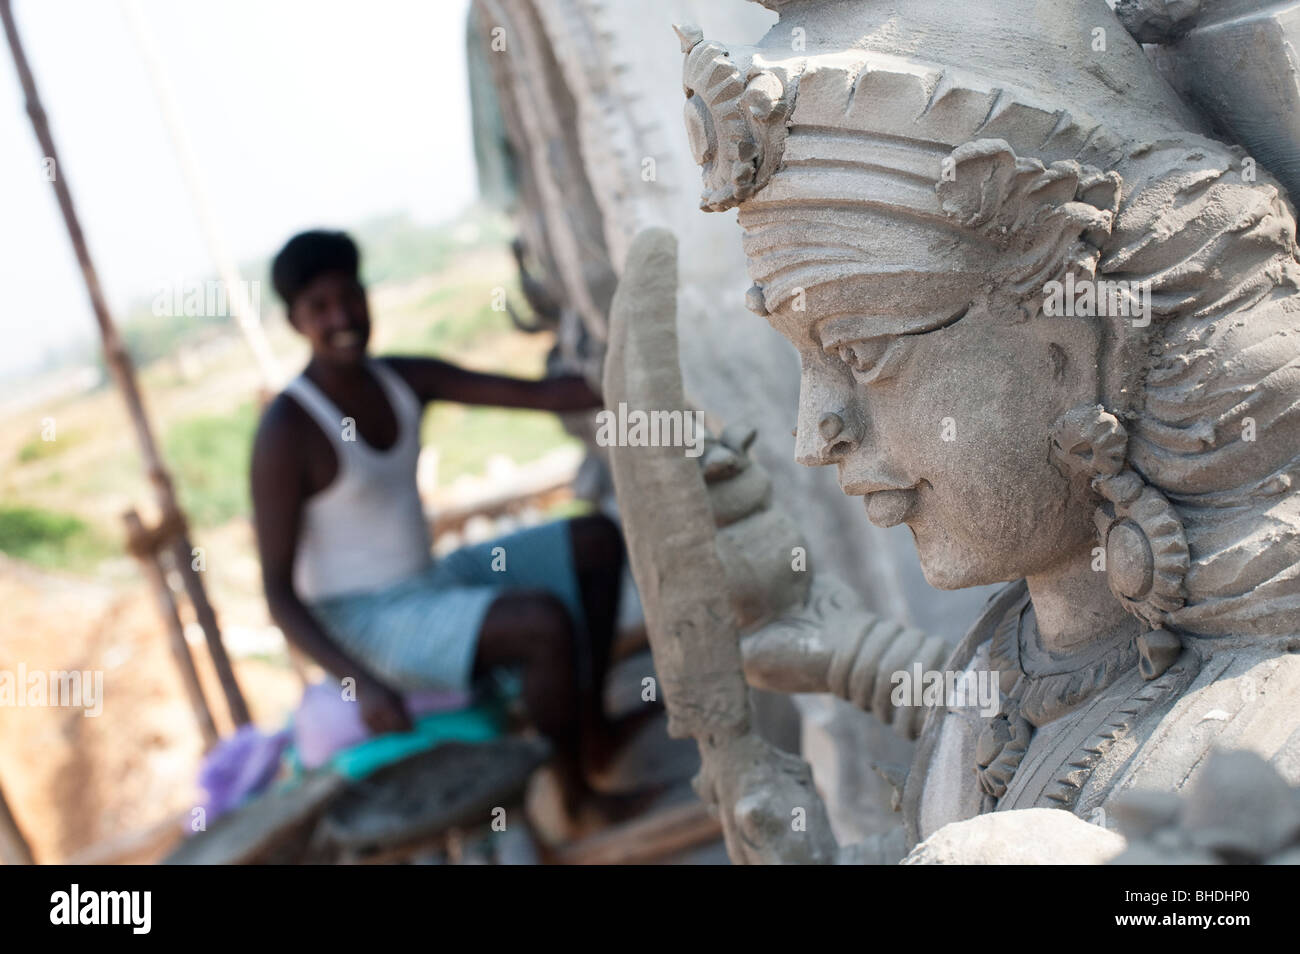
1242	698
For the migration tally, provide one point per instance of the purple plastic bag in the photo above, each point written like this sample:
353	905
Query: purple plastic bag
240	766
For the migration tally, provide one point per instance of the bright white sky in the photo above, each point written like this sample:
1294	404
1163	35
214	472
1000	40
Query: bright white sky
301	113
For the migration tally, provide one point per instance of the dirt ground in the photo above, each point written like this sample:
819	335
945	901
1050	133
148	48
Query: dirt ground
74	781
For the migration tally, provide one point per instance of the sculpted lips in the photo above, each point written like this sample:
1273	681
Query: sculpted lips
889	508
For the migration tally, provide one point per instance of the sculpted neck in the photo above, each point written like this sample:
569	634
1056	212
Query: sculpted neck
1074	607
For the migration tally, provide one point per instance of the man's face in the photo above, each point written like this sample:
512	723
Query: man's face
948	430
332	313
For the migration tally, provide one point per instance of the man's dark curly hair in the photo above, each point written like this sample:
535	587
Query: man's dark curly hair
309	255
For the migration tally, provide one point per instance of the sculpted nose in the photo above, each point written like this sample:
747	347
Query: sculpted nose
830	423
830	426
826	437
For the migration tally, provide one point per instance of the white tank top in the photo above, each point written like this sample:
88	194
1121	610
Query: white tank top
367	529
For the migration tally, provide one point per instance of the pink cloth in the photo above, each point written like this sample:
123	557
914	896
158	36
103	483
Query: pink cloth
326	723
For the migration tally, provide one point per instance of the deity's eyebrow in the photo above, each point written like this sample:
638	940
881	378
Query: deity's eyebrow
840	329
794	329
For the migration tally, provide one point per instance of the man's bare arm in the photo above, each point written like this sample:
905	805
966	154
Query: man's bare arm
278	497
435	380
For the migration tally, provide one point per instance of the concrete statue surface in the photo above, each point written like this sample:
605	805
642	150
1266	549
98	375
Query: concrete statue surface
579	133
1047	322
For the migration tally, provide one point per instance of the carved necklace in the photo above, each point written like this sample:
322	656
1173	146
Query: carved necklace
1047	688
1033	698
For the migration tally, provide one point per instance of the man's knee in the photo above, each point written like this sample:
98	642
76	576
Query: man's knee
536	619
532	627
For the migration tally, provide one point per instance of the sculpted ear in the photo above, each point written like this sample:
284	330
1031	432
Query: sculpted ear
1048	218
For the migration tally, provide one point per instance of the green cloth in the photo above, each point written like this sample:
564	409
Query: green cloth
481	722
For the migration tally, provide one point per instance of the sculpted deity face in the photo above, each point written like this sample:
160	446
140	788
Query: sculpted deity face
902	221
948	430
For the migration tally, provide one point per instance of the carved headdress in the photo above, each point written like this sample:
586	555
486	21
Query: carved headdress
1001	146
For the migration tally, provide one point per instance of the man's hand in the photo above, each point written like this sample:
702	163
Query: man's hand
382	709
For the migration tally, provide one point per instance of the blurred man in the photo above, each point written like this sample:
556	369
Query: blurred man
345	548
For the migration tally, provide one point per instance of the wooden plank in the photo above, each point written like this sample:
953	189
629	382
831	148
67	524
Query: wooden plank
647	839
175	631
421	797
182	553
256	831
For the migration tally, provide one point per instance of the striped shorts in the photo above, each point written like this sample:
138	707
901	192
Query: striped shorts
422	633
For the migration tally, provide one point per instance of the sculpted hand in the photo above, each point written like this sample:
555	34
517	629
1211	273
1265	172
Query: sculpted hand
784	656
770	810
833	644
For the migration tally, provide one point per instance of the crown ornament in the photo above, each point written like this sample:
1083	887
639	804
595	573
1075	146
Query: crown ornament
906	84
735	121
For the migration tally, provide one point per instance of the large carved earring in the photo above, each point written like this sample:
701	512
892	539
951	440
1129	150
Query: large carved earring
1145	546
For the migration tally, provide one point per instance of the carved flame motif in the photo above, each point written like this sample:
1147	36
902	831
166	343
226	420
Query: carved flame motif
735	122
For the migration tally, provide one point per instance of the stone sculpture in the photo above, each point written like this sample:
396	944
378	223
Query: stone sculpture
1239	810
728	588
576	118
693	605
1236	62
1051	326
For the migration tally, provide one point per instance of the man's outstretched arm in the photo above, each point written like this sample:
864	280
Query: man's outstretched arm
435	380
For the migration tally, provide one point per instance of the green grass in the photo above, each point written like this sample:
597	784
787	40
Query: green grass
51	539
209	456
449	321
438	296
39	449
568	509
457	332
467	436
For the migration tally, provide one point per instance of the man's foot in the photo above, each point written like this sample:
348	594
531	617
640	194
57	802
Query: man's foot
562	816
606	743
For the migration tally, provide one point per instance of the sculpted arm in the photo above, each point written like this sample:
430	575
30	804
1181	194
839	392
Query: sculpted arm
758	790
835	645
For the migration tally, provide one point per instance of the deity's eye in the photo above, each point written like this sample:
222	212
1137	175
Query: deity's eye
872	359
880	357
